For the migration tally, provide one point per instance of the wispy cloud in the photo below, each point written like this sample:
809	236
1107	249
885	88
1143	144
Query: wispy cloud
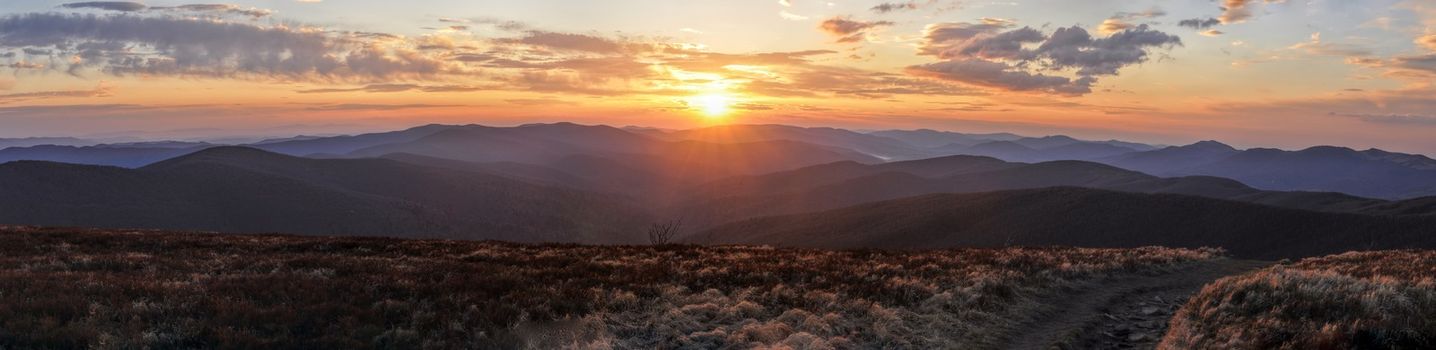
126	6
848	30
1234	11
895	6
162	45
375	107
1199	23
107	5
380	88
99	91
1316	46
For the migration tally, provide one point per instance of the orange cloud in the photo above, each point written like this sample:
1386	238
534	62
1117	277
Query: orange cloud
849	30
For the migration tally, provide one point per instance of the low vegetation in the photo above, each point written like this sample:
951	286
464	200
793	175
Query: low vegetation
1358	300
74	288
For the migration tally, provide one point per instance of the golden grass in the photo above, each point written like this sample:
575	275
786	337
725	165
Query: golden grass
64	288
1367	300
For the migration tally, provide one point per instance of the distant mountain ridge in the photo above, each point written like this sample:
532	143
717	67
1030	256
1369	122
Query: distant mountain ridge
1370	173
129	156
44	141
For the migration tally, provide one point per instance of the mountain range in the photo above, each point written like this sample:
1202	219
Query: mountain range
758	184
1370	173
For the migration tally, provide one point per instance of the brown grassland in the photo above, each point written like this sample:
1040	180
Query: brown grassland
1357	300
79	288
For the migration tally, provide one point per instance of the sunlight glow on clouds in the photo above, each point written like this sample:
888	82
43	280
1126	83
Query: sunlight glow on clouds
909	63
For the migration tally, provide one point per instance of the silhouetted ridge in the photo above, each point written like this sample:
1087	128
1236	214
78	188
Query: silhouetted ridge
227	154
1209	145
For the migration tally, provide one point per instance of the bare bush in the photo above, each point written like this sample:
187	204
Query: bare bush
663	233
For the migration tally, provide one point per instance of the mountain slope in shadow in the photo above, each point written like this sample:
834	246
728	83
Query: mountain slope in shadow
236	189
1079	217
844	184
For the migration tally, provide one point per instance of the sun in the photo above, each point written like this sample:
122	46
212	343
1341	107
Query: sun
712	105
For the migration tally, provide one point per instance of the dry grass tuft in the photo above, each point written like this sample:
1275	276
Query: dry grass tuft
1359	300
71	288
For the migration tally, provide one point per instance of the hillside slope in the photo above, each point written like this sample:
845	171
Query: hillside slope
1079	217
844	184
246	190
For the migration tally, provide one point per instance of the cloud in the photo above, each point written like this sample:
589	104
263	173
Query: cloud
1316	47
895	6
540	102
1428	41
99	91
982	40
1121	21
791	16
1198	23
1422	63
567	41
25	65
381	88
1073	47
1235	11
848	30
1149	13
125	6
1113	25
1399	119
218	8
990	54
163	45
107	5
374	107
169	44
1001	75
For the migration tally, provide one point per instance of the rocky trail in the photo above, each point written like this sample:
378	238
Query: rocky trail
1122	313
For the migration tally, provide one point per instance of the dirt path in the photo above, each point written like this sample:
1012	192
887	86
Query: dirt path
1123	313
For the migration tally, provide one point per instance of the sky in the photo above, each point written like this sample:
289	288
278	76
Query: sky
1254	73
